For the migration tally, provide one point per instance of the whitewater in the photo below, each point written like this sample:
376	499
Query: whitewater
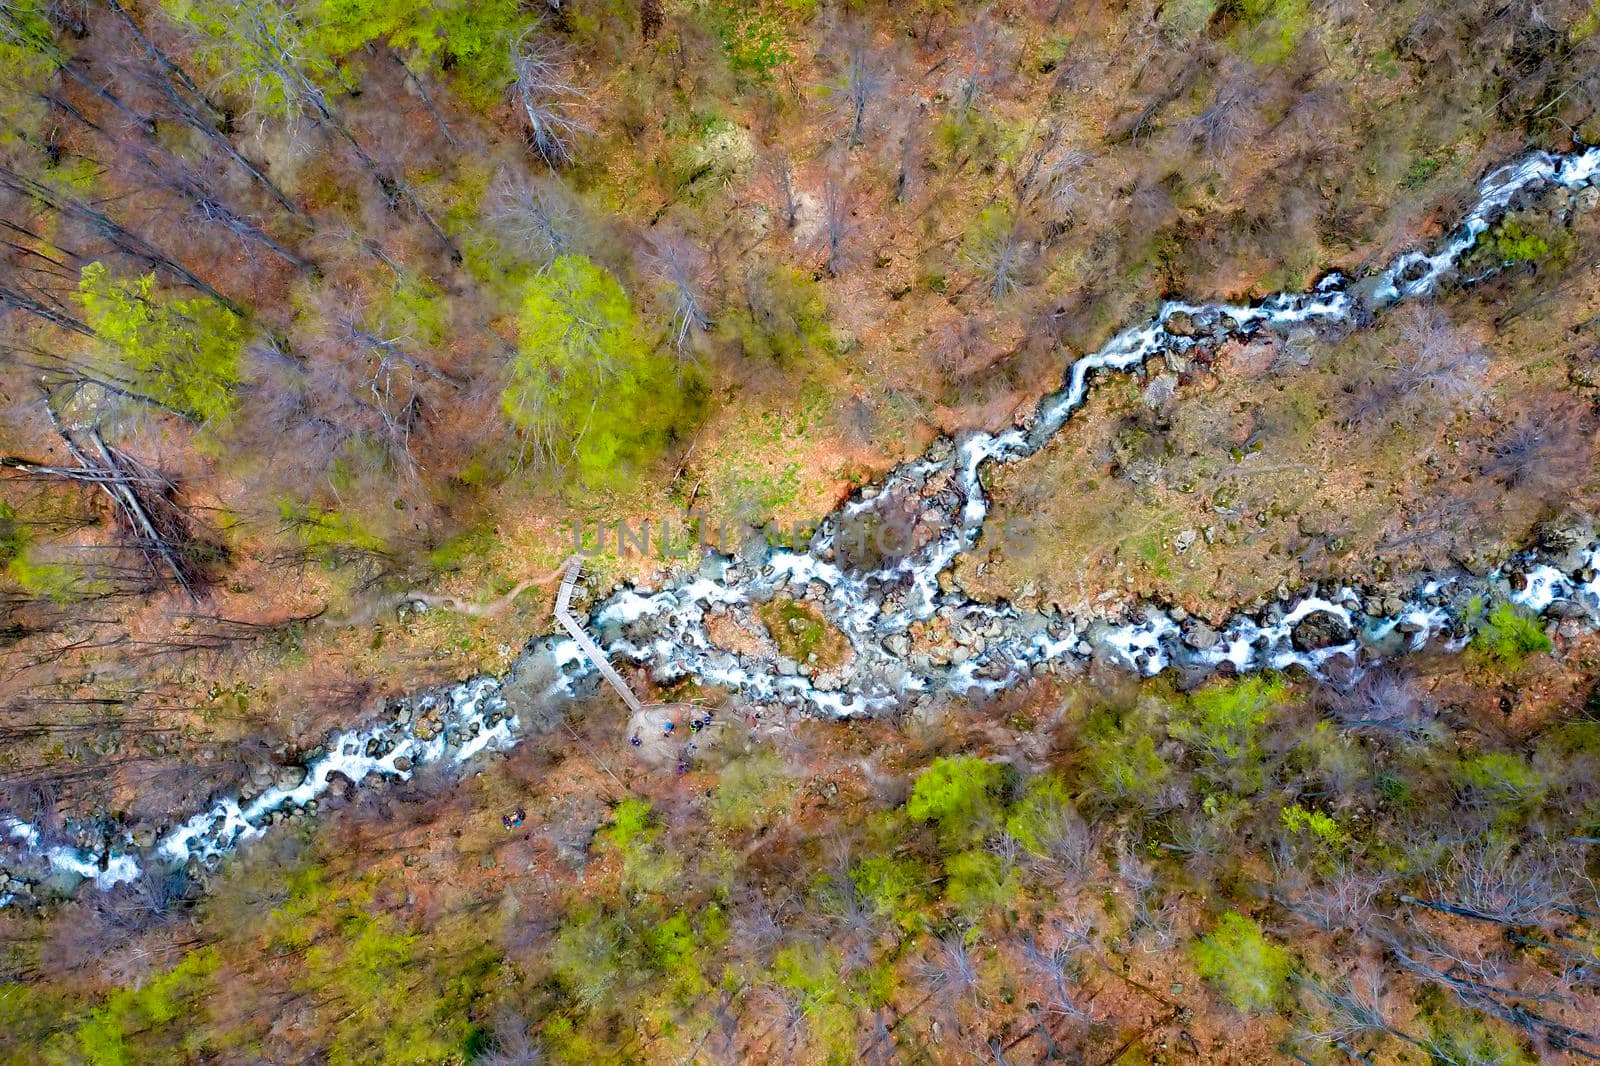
664	631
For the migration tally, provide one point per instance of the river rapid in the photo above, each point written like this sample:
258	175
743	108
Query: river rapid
1334	633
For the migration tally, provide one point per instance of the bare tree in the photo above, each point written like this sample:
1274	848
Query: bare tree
951	971
1071	846
1230	116
1354	1009
838	225
861	82
678	266
538	217
208	205
1152	916
1489	882
908	155
511	1043
1383	701
1344	901
547	100
1545	452
1061	179
285	73
978	60
1057	965
1431	365
780	179
183	102
1000	257
96	221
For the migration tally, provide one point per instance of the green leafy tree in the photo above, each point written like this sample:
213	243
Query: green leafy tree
1506	780
1044	804
636	838
1508	634
1251	971
1223	724
179	354
975	882
150	1022
262	51
962	796
586	388
470	38
29	56
1121	759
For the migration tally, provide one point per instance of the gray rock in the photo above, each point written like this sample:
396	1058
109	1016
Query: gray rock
1201	636
1565	533
897	644
1180	324
1320	630
290	777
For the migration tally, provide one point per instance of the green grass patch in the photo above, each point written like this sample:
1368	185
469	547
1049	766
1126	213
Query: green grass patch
804	635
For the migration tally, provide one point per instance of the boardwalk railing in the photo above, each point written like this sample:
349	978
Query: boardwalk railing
590	649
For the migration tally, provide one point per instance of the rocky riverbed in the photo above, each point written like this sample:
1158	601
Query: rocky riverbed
879	572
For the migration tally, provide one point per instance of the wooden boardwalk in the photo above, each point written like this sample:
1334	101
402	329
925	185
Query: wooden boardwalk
590	649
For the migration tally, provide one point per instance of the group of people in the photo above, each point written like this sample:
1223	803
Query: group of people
697	722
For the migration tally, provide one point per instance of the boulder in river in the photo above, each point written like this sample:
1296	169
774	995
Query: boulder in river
1318	630
1201	636
1565	538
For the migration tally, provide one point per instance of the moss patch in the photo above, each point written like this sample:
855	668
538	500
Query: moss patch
804	635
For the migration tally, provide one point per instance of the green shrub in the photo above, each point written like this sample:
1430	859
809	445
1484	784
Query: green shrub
245	55
783	319
754	37
1505	779
752	790
1586	25
802	634
587	956
1320	826
893	887
1250	970
183	354
1513	243
1183	19
585	387
1121	759
975	883
472	39
1222	723
962	796
136	1025
634	834
1044	803
1272	28
1460	1037
1508	634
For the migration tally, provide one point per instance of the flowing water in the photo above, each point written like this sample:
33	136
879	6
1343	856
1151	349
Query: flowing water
665	632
